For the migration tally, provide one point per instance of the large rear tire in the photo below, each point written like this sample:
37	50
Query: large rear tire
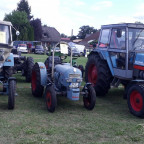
29	67
135	99
11	95
97	72
90	100
37	88
50	98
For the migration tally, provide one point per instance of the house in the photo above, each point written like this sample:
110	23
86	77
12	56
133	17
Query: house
50	36
89	39
66	40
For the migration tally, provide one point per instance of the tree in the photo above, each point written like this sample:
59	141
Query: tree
73	37
37	26
24	6
86	30
20	22
63	35
138	22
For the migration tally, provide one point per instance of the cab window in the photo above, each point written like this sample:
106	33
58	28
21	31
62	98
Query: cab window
104	38
118	39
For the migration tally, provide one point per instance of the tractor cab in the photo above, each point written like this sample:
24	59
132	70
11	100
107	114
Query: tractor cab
122	45
5	40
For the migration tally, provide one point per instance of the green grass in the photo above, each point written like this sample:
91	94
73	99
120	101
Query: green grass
30	123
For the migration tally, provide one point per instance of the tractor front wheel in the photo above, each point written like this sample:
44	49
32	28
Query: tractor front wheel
50	98
11	94
135	100
37	88
90	98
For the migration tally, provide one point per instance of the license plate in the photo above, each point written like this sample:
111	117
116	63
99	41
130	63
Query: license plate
74	85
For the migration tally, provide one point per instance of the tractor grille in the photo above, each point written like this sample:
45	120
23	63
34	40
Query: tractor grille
74	75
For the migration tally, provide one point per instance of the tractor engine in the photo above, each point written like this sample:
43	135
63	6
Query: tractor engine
68	78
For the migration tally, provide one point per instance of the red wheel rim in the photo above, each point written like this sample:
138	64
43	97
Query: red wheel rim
136	101
48	99
92	74
34	79
87	100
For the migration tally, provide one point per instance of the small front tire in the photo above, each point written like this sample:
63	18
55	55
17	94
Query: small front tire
90	99
11	95
50	98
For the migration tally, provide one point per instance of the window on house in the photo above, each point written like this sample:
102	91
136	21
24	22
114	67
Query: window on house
45	35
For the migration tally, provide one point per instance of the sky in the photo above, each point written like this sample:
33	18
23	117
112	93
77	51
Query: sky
66	15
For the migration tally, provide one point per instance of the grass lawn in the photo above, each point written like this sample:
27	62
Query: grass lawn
30	123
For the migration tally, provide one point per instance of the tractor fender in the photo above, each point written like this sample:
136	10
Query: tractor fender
85	86
9	61
43	73
104	55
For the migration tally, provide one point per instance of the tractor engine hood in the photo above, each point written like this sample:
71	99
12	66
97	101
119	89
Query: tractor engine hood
66	74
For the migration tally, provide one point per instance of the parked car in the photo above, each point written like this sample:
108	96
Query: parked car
75	53
22	48
39	49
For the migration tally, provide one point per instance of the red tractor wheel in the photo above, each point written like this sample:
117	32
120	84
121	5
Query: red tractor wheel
97	72
135	100
37	88
50	97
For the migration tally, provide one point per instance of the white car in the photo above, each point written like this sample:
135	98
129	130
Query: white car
22	48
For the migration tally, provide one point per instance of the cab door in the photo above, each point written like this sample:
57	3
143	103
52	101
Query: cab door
119	54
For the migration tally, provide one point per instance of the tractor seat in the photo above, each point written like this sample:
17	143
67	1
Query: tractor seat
57	60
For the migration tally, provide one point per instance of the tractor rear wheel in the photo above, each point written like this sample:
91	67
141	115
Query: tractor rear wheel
97	72
37	88
90	100
135	100
11	95
29	66
50	97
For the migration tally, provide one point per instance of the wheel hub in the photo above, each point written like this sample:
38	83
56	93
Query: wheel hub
136	101
92	74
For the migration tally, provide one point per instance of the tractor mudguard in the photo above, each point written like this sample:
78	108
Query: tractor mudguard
104	55
43	73
85	86
9	61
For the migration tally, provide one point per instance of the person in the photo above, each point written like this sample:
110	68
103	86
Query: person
84	51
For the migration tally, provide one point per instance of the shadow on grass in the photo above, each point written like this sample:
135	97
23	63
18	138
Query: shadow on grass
3	105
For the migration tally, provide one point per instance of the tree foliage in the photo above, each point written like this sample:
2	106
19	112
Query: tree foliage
20	22
84	30
37	26
24	6
63	35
